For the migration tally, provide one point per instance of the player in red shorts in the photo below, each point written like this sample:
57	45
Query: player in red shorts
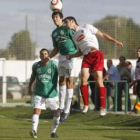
85	39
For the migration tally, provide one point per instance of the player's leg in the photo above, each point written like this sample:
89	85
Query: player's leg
38	104
53	103
62	92
62	81
98	75
69	83
85	72
69	73
35	122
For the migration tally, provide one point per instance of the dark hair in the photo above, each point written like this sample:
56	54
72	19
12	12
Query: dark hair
57	13
110	61
128	63
122	58
44	50
138	48
71	18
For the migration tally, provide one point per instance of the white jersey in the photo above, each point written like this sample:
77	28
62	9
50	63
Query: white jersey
85	39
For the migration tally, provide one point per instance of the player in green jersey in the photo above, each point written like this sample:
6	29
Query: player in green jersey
62	42
45	75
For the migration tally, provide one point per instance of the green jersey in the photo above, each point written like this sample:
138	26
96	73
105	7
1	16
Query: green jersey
62	39
46	79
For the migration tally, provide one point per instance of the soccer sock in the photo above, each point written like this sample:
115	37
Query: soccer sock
62	94
68	100
35	121
55	124
84	92
102	95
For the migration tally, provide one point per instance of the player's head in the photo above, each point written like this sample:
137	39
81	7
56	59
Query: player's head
109	63
44	53
57	17
71	22
122	60
128	64
138	52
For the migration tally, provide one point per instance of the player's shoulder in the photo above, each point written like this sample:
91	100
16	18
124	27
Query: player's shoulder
87	25
54	63
36	64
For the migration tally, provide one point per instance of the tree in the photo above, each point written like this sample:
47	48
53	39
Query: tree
124	30
21	47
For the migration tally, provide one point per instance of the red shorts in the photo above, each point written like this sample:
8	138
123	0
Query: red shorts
94	61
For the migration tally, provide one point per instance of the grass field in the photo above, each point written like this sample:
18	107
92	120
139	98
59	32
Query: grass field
15	124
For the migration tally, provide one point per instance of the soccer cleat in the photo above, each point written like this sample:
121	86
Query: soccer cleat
102	112
85	110
64	116
54	135
61	111
33	134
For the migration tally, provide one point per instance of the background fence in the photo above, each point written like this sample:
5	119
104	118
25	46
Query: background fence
26	29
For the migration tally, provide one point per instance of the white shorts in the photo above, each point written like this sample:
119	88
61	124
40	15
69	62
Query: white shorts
66	66
40	102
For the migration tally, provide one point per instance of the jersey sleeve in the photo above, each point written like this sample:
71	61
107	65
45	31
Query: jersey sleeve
71	33
92	28
34	69
53	41
55	63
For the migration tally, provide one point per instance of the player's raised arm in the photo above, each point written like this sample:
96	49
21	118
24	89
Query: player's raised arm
109	38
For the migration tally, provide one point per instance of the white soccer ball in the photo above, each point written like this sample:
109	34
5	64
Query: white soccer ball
56	5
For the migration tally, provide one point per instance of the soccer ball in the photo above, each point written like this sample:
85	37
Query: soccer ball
56	5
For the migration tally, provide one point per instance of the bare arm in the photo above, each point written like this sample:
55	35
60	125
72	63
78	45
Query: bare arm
109	38
78	54
32	79
54	52
106	76
135	81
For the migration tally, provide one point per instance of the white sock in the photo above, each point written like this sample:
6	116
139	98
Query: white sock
62	95
55	124
35	121
68	100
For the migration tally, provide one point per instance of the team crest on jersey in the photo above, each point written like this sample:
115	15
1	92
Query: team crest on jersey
49	70
38	70
61	32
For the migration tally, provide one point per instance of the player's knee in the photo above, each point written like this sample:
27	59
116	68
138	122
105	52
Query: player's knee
57	113
57	120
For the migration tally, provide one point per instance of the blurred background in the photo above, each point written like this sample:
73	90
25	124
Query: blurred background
26	27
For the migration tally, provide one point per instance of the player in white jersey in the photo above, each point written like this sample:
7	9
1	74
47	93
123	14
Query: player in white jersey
85	39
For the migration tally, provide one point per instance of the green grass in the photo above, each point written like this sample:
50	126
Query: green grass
15	124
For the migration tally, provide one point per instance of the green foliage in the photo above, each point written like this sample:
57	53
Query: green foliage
122	29
21	46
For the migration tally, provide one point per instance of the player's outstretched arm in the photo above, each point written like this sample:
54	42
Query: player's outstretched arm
109	38
78	54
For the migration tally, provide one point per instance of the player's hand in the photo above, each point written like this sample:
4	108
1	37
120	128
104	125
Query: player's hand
68	57
29	91
119	44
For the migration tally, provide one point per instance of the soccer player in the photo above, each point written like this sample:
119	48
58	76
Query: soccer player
85	39
45	75
62	42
